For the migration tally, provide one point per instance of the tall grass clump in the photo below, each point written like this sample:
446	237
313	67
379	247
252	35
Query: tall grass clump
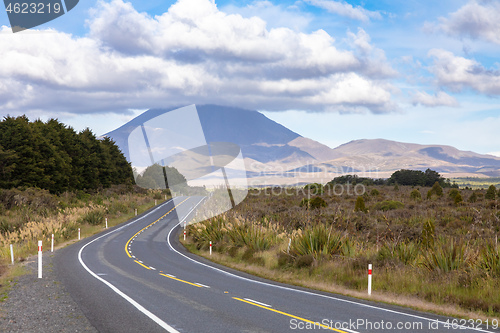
318	241
490	259
448	255
231	231
93	217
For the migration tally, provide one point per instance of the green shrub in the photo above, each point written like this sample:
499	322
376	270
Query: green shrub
415	195
315	188
284	259
248	254
374	192
491	193
473	197
453	193
436	189
314	203
359	206
306	260
388	205
458	199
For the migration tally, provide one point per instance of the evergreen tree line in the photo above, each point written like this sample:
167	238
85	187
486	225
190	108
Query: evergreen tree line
401	177
53	156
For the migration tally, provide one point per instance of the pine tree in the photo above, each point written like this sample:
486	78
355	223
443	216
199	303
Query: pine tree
491	193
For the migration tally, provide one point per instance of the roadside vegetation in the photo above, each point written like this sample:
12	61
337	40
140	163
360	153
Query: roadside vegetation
29	215
430	243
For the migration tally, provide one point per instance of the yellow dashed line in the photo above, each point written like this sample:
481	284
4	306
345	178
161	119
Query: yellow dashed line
174	278
142	264
137	233
289	315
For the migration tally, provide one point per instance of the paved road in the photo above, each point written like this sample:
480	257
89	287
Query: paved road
138	278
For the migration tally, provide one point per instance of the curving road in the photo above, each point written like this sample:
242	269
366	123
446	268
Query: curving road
138	278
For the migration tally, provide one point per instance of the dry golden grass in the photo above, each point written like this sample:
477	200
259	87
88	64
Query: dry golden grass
64	222
303	279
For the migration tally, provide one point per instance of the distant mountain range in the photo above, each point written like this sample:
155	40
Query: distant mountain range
273	154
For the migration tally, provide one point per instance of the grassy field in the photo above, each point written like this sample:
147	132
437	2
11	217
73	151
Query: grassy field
476	183
426	248
31	215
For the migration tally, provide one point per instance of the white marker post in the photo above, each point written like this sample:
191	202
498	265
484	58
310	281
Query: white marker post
210	247
52	244
106	219
39	259
184	234
369	279
155	202
12	254
78	233
136	212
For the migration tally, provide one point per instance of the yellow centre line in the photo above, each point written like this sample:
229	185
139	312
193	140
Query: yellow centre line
138	232
174	278
142	264
289	315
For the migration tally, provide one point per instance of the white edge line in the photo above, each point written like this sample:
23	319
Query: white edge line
307	292
260	303
139	307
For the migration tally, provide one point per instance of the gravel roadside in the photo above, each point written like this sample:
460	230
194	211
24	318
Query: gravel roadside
41	305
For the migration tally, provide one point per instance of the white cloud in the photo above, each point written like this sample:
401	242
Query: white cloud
343	8
476	19
275	16
438	99
193	53
458	73
495	153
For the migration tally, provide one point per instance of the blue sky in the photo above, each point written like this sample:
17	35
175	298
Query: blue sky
413	71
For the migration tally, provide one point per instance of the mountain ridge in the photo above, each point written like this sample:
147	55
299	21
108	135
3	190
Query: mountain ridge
274	154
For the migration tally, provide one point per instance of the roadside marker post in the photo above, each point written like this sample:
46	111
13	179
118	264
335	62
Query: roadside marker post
39	259
136	212
78	233
184	234
12	254
52	244
369	279
210	247
106	219
155	202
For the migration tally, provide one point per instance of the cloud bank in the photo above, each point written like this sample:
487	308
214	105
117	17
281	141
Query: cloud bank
476	19
459	73
343	8
193	53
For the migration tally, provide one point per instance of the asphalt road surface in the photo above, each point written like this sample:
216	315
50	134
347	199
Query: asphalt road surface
138	278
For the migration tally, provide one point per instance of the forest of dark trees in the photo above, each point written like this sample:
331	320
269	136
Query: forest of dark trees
400	177
52	156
